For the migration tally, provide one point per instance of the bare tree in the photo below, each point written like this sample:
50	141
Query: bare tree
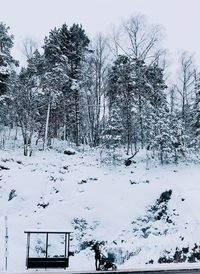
29	46
113	42
142	39
26	107
94	87
186	87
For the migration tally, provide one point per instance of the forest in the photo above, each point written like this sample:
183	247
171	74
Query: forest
109	92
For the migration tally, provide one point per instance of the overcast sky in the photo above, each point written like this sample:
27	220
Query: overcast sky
35	18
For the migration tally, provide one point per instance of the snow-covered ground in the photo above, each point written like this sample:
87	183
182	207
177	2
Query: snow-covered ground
96	201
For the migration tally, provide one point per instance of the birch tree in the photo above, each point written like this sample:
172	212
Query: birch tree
186	90
94	86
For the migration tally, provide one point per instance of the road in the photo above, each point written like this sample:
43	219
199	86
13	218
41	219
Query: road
173	269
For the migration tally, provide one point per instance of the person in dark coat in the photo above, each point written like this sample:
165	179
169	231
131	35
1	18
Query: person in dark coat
97	252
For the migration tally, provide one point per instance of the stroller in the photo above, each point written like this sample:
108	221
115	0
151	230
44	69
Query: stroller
105	263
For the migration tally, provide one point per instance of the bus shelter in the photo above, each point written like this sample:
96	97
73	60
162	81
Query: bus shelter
47	249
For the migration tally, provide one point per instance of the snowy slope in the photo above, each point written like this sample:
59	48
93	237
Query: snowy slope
117	205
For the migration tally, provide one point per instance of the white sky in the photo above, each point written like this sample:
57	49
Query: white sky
35	18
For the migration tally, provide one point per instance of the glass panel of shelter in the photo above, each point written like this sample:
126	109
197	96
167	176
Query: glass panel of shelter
48	245
37	245
56	245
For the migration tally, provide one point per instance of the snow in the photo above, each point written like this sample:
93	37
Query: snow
108	197
4	70
45	230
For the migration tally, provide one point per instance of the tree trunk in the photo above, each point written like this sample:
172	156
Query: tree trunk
47	123
141	123
64	120
77	119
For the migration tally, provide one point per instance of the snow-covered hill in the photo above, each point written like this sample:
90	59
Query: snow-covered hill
140	215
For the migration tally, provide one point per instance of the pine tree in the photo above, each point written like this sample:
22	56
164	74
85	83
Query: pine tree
112	135
121	87
7	62
7	80
195	119
111	138
64	51
138	90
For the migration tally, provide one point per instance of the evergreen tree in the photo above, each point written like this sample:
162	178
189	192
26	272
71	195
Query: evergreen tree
64	51
196	107
7	79
138	91
7	62
195	115
121	92
111	138
112	135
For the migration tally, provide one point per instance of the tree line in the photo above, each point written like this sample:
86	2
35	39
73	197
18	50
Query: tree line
108	92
